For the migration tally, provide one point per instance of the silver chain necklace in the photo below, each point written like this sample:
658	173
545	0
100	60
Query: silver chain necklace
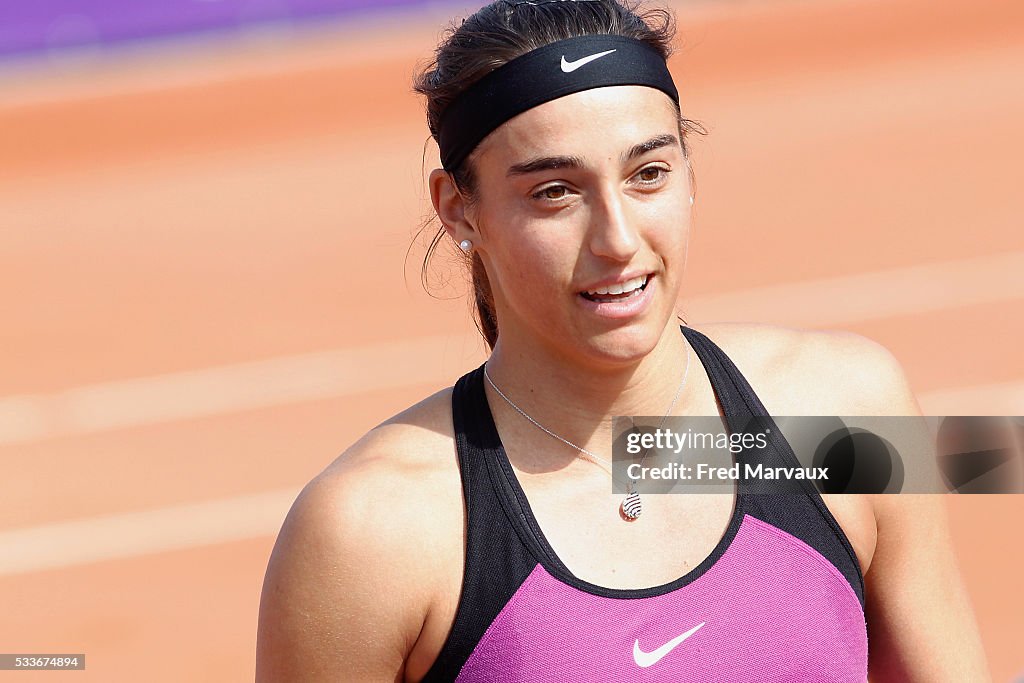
631	507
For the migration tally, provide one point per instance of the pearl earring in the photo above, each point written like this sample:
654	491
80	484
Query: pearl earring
691	200
465	245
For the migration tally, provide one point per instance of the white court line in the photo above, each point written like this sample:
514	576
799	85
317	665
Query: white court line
235	388
1003	398
872	296
346	372
134	534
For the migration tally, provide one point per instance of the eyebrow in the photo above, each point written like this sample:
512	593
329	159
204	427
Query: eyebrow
657	142
556	162
544	164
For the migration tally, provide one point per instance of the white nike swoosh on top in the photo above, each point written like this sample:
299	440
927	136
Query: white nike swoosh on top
645	659
569	67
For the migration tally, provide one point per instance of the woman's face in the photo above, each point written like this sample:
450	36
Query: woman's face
580	198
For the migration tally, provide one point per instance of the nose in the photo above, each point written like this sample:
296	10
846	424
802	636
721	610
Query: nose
613	233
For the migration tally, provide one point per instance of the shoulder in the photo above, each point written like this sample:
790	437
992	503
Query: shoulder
352	575
388	472
797	371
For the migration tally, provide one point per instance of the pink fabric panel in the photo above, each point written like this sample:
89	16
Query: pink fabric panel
773	609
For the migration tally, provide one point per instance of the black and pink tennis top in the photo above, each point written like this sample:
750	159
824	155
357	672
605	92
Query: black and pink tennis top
780	598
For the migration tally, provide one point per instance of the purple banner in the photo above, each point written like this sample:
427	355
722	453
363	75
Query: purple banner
39	25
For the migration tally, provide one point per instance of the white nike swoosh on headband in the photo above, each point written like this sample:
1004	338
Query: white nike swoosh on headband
646	659
569	67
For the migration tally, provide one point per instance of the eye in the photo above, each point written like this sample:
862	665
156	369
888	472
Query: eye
552	193
652	175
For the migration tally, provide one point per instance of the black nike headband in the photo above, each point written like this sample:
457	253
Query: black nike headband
547	73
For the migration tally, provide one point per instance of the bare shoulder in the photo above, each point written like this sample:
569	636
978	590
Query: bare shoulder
814	372
352	575
406	446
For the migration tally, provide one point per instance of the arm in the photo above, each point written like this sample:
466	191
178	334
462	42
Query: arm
339	601
920	623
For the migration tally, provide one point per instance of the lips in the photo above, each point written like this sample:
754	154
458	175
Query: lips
633	298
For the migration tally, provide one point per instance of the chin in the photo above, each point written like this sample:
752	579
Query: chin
624	346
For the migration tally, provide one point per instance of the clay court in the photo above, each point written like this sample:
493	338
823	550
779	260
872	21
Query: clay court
206	297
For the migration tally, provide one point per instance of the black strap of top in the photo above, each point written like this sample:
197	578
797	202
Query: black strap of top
730	387
496	561
795	507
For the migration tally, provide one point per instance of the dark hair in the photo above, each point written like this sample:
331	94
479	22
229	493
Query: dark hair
497	34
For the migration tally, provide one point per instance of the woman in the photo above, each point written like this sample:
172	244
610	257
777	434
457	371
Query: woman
473	536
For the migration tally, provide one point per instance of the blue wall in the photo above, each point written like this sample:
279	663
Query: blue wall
28	26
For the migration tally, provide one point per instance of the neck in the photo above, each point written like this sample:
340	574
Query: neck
577	397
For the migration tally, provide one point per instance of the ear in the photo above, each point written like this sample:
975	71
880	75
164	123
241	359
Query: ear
451	207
